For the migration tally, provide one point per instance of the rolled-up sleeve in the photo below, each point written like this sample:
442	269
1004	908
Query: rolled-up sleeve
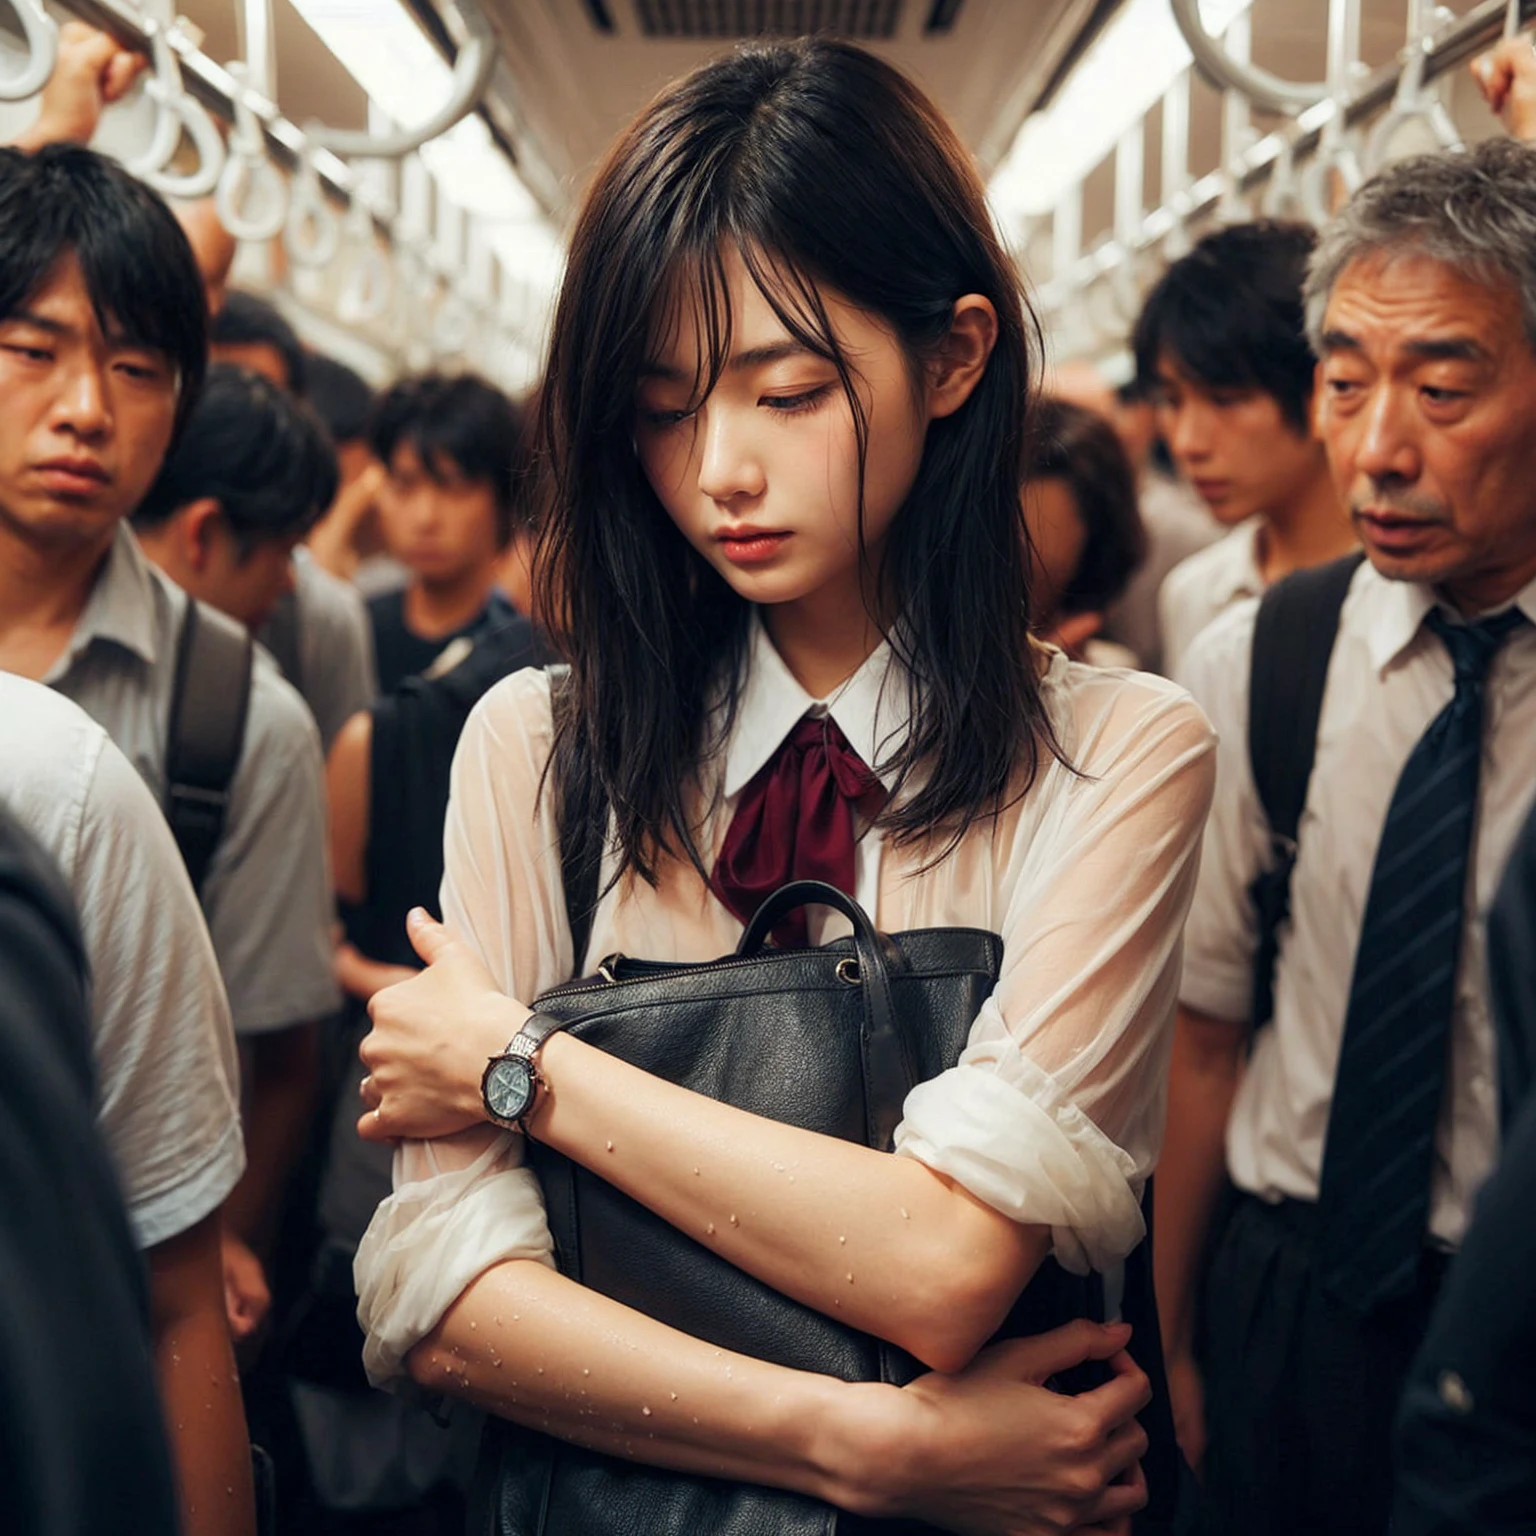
466	1203
1053	1114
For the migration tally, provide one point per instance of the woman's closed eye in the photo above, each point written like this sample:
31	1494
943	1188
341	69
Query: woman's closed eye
659	420
797	403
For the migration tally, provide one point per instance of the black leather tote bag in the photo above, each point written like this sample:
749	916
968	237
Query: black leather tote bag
829	1039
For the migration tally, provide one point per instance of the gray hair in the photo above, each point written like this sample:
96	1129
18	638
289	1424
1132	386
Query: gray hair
1475	211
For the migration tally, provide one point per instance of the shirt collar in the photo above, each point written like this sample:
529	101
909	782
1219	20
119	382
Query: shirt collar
1241	577
120	609
870	709
1400	610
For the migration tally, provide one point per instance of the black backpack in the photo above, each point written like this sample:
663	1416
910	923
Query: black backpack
210	700
1293	637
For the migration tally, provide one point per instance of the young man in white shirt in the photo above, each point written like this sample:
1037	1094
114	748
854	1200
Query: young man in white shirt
1222	347
166	1079
1359	1126
102	348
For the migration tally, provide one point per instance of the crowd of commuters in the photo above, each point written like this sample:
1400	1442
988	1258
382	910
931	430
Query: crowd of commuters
790	570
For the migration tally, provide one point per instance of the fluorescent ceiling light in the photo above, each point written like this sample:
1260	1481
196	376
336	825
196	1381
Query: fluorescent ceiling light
1128	68
408	79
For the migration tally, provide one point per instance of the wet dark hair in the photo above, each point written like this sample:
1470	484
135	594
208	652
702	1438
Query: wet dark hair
1230	313
460	419
341	398
829	173
263	455
1080	448
248	321
137	265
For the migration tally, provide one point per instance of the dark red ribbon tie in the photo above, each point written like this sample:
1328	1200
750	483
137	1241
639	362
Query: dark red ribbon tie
795	821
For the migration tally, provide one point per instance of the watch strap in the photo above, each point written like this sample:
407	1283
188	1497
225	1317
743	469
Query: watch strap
536	1029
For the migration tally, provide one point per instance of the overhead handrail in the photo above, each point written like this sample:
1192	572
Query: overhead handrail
365	294
40	32
471	75
176	111
1413	102
311	232
252	195
1282	194
453	327
1267	91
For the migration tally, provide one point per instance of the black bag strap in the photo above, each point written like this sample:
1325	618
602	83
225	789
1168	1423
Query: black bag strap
209	704
581	811
888	1076
1293	637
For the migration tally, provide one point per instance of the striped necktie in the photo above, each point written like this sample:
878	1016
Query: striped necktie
1373	1199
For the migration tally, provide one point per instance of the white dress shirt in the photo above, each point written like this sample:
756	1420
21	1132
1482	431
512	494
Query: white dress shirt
1388	679
1054	1112
166	1075
1200	588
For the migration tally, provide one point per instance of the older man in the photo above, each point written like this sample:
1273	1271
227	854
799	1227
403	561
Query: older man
1366	1115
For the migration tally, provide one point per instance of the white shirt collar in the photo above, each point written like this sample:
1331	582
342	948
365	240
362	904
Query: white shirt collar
1240	575
870	709
1400	609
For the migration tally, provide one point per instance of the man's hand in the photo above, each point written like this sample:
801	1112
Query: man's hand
1187	1391
93	71
1506	75
361	977
246	1297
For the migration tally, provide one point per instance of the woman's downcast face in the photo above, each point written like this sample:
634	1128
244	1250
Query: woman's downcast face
762	475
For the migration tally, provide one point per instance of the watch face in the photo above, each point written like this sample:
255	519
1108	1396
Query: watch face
509	1087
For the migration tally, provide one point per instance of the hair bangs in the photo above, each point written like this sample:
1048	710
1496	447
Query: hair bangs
837	182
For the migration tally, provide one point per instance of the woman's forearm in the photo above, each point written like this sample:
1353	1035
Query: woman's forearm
530	1346
992	1450
879	1242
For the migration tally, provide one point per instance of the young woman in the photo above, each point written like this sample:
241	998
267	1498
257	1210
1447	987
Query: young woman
784	414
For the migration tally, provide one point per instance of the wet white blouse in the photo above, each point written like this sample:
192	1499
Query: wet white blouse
1053	1114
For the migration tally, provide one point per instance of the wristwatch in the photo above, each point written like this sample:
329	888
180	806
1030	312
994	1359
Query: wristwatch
511	1081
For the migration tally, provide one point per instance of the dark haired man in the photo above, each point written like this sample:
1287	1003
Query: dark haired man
249	476
1222	346
448	447
316	628
102	346
251	333
101	357
1358	1122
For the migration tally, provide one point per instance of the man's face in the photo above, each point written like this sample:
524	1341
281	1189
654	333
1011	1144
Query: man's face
246	585
1235	446
1428	412
86	421
443	526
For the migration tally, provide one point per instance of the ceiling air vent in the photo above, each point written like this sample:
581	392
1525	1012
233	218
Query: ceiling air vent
727	19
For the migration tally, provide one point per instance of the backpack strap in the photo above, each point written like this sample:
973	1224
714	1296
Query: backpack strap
209	704
581	809
1293	637
280	635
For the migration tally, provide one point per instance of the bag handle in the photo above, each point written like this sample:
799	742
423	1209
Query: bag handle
887	1077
